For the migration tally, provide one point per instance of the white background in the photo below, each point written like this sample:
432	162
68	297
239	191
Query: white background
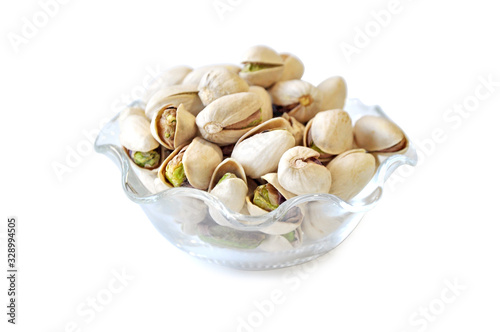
434	226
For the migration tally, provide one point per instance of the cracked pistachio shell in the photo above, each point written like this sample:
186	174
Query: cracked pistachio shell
293	68
231	191
351	171
260	149
302	98
227	111
300	173
331	131
380	135
175	95
220	82
185	127
135	134
334	92
131	110
195	76
297	128
169	77
267	104
199	160
262	55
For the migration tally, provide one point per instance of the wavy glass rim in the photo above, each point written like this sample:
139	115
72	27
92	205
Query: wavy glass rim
363	202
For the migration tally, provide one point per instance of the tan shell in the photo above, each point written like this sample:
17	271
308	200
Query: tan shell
293	67
135	134
304	94
299	176
200	160
264	77
259	152
169	77
331	131
351	171
272	178
377	134
194	77
175	95
267	104
334	92
297	128
231	192
185	126
226	111
131	110
220	82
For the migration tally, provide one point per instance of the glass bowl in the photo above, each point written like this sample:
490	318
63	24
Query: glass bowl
190	218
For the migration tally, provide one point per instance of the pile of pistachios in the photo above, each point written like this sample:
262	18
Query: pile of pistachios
255	135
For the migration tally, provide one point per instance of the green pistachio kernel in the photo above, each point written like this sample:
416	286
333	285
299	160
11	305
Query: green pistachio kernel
175	174
290	236
267	197
148	159
251	67
227	176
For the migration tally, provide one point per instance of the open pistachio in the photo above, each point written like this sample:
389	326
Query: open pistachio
293	68
191	165
262	66
226	119
334	92
380	135
135	134
260	149
267	104
229	184
173	126
169	77
329	133
300	172
297	128
174	95
220	82
298	98
195	76
267	197
351	171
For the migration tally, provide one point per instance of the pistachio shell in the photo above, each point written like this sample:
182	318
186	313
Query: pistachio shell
262	54
169	77
334	92
331	131
220	82
297	128
302	97
224	112
232	193
185	127
135	134
175	95
299	172
267	104
293	67
260	150
377	134
351	171
272	178
228	165
194	77
200	160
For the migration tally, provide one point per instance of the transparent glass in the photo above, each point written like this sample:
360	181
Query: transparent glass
182	215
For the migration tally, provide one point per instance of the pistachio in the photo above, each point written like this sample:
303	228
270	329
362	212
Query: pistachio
195	76
267	197
148	160
262	66
173	126
334	92
298	98
174	171
174	96
135	134
220	82
293	68
377	134
267	105
300	172
297	128
229	184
